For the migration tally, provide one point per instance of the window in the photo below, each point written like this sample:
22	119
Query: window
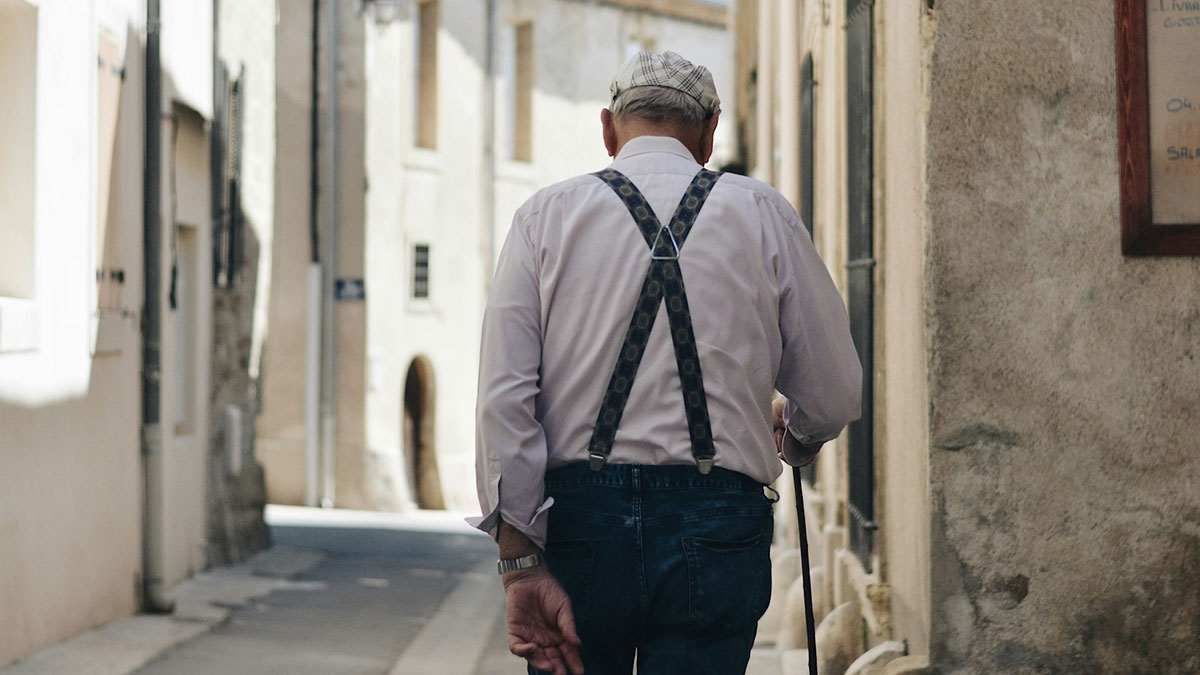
807	125
18	118
420	287
427	74
522	131
861	233
226	168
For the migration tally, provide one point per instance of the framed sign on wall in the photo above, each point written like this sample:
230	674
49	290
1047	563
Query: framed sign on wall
1158	85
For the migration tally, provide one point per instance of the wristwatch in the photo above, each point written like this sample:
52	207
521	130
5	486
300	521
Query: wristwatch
513	564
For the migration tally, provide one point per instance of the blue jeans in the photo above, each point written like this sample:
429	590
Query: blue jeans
661	563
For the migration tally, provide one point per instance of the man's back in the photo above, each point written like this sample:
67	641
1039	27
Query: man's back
745	253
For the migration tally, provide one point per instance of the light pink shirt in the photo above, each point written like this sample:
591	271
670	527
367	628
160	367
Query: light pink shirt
765	312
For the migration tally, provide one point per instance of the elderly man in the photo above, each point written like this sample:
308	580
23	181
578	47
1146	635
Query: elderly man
639	321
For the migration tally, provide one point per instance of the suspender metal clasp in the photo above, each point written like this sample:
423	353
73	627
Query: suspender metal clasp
596	461
674	255
706	464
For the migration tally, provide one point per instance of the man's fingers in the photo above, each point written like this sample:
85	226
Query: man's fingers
548	659
522	649
571	656
566	625
570	646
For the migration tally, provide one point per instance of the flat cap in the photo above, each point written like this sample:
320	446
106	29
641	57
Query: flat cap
670	70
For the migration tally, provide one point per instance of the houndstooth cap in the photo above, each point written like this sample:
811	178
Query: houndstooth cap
667	69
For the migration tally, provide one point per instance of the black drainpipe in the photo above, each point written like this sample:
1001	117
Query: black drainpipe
153	599
314	172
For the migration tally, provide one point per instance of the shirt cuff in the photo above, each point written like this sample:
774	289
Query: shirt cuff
798	453
800	449
535	529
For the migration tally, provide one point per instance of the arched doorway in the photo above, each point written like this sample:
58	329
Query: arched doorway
420	455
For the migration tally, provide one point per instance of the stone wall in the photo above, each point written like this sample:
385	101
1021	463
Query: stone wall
1065	470
237	490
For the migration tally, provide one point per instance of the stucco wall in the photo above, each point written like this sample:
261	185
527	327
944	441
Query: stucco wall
350	471
280	444
70	477
281	427
1063	383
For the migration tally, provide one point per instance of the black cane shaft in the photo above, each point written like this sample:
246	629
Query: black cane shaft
810	623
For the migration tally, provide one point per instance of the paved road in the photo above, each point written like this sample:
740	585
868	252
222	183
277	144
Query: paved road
340	592
384	600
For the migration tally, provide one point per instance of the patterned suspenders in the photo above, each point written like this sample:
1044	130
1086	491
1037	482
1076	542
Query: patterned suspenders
663	280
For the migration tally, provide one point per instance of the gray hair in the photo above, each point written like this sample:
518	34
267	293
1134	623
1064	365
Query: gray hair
658	104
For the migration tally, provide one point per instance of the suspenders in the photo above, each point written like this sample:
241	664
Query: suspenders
664	281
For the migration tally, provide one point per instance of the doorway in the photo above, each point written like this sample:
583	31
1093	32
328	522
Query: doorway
420	454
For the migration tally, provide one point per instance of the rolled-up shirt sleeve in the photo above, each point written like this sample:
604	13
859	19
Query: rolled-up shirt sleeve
510	444
819	372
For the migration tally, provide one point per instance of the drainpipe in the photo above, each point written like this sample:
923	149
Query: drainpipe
329	346
153	591
312	343
488	202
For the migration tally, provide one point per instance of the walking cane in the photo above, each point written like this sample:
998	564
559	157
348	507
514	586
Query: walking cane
809	620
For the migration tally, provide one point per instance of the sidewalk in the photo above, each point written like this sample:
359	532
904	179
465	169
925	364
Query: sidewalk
201	603
207	600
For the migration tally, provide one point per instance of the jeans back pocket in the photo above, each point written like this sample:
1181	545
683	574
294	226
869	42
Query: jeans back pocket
729	582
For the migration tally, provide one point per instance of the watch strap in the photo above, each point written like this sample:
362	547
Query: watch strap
505	565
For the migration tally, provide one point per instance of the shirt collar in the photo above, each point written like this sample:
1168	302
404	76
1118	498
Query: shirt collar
641	145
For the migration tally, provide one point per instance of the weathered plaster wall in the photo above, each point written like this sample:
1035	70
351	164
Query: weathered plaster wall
281	427
280	444
349	315
1065	470
901	396
237	490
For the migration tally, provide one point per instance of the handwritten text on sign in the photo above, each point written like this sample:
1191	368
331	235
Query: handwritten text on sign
1173	50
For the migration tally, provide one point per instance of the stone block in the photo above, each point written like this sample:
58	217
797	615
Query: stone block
785	567
876	659
792	631
909	665
794	662
839	638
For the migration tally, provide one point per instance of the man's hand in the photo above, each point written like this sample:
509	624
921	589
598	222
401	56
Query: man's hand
807	454
777	421
541	626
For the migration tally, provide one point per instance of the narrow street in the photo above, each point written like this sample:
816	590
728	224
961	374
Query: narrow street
339	593
380	594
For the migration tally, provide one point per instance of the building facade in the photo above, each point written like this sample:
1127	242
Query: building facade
450	113
1024	489
115	466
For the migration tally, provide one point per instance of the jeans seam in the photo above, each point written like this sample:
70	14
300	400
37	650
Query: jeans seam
643	591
